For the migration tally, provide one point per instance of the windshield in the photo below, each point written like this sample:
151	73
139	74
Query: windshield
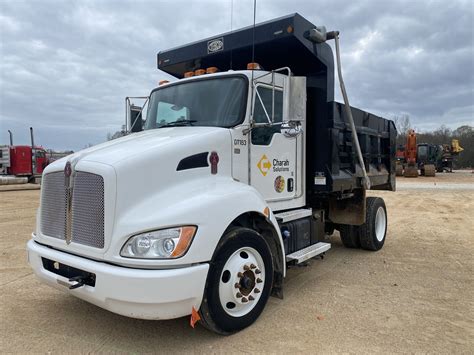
210	102
423	151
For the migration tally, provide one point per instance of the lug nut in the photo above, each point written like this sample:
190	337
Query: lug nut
238	295
244	300
256	290
237	285
251	298
239	274
259	281
246	268
252	266
258	271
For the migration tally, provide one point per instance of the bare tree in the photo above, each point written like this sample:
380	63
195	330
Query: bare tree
403	125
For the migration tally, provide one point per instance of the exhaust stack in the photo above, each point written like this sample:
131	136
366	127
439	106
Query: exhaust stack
33	152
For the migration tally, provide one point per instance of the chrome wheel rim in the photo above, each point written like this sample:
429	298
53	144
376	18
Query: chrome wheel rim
241	282
380	224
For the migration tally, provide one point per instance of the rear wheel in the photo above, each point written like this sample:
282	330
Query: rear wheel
349	236
373	232
239	282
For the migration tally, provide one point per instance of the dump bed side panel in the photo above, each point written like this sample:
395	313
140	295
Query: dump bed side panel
333	166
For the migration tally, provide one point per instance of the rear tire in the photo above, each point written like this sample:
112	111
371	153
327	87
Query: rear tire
238	283
349	236
373	232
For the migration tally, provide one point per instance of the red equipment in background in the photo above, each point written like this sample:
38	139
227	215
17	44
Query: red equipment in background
411	168
22	160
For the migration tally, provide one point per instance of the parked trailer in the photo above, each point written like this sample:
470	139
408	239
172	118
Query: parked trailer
244	165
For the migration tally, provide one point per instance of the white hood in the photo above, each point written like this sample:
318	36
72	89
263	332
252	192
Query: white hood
139	144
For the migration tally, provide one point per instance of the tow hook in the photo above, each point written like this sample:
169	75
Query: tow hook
79	282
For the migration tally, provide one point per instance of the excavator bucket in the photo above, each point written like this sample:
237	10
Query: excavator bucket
456	147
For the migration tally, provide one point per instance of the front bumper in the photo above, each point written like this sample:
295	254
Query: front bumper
136	293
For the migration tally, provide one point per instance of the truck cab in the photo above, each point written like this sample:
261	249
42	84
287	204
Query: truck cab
250	107
243	165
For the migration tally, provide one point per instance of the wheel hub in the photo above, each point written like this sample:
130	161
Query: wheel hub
380	224
242	281
247	282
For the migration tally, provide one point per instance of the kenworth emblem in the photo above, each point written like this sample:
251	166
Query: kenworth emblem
68	169
68	184
215	45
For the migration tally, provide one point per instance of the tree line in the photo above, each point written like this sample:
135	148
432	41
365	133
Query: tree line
441	135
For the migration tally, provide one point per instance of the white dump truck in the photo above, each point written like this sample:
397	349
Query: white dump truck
241	166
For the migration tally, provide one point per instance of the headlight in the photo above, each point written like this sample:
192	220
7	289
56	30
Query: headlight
161	244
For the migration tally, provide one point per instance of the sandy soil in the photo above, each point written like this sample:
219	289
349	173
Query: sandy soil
415	295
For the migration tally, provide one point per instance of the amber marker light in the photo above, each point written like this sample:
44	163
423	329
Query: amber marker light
253	66
212	70
266	212
163	82
199	72
185	239
188	74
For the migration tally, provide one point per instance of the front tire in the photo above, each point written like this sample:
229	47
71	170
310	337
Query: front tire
372	234
239	282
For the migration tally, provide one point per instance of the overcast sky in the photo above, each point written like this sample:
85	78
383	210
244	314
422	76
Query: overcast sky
66	66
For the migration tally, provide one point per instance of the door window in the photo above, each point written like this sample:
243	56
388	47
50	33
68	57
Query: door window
263	135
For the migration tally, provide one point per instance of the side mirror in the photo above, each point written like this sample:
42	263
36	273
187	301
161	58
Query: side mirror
136	119
291	128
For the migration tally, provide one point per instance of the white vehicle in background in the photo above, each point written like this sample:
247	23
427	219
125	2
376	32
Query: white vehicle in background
237	173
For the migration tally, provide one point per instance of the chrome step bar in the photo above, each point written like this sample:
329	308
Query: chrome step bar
308	252
288	216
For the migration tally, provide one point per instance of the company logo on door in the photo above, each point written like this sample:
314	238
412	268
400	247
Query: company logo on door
264	165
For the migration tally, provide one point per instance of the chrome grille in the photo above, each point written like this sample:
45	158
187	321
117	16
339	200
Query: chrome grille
88	210
53	208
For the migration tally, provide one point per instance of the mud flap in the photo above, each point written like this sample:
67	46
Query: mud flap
348	210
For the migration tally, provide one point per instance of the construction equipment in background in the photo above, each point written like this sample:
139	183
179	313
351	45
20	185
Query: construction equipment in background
447	155
399	160
411	167
427	156
18	162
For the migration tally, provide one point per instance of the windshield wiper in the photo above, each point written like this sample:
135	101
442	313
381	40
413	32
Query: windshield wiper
178	123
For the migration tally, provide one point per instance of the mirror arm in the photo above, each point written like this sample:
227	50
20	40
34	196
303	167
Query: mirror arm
127	111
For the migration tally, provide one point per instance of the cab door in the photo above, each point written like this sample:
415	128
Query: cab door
276	158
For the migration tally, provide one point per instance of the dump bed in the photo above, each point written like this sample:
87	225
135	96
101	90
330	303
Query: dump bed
332	164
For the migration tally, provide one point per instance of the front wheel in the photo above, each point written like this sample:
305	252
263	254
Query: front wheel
372	234
239	282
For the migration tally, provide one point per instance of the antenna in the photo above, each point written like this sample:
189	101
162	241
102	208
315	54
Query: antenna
253	32
231	23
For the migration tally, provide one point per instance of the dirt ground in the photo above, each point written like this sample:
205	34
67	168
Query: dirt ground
416	295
